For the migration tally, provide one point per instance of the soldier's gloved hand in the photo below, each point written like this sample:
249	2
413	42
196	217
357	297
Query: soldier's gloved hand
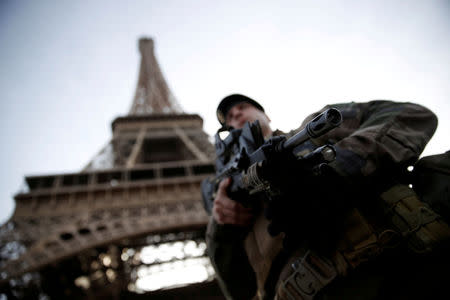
227	211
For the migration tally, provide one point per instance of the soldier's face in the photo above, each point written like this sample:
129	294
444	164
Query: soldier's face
244	112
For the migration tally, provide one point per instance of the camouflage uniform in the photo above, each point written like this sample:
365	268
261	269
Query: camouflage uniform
376	141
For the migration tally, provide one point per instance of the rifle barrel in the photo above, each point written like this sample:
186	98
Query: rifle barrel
329	119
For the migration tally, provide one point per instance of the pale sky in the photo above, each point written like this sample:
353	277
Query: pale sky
68	68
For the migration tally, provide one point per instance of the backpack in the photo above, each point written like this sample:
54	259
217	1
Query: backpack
431	182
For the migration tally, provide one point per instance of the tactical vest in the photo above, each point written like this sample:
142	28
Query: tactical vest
431	181
305	272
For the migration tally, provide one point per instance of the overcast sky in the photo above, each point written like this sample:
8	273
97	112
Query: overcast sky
68	68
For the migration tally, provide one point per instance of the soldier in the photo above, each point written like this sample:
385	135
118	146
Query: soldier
350	248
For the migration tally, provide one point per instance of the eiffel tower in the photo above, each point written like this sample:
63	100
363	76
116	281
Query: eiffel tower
131	223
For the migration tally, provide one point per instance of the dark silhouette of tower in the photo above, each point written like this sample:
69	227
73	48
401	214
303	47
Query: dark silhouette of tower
131	222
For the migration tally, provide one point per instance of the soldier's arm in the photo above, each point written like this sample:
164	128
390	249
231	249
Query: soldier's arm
228	257
225	234
379	136
390	135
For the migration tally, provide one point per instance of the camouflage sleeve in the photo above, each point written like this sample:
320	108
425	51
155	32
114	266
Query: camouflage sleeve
233	271
379	136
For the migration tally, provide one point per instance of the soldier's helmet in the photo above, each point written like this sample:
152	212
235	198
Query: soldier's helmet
229	101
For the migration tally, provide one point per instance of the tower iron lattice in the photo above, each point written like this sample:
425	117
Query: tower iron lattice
132	217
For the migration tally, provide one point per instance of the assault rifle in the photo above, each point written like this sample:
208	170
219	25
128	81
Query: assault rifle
250	161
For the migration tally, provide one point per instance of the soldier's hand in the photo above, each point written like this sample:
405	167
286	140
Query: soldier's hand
227	211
